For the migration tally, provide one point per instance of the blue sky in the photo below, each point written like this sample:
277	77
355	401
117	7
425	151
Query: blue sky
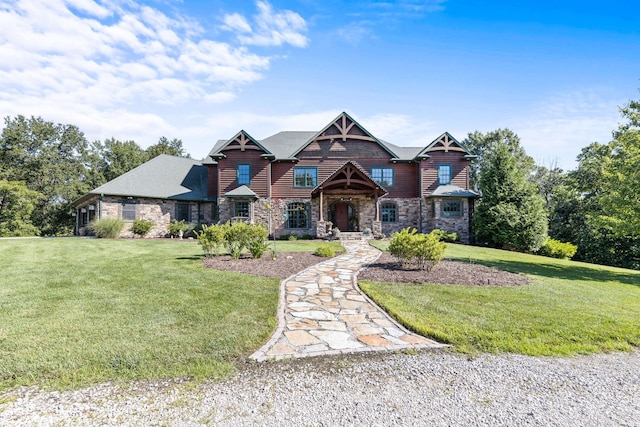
554	72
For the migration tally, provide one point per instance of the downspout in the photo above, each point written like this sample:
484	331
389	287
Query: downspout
420	193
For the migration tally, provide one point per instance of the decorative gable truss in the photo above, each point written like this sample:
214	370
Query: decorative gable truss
340	130
444	143
242	141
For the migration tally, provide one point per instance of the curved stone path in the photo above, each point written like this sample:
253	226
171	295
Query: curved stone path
322	311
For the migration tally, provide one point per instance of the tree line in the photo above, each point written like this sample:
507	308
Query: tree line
45	166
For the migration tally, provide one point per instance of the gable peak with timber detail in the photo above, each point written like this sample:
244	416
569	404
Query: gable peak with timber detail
341	129
444	143
243	141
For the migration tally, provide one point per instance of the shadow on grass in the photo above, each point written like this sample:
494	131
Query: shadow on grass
567	272
190	258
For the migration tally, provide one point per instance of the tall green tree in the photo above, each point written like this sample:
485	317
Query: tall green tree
48	158
118	157
511	213
17	203
483	144
165	146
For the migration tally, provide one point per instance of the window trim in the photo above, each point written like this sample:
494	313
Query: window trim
382	168
248	173
235	208
389	205
448	213
135	210
315	180
307	212
450	167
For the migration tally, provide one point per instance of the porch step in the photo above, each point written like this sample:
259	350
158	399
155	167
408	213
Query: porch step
350	235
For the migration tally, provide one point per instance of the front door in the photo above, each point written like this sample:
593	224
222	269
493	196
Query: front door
341	216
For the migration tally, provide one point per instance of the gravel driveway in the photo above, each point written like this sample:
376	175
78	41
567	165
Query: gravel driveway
428	388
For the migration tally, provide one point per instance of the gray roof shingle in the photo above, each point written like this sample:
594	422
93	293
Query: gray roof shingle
163	177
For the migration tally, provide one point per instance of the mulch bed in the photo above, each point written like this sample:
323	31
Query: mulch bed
385	269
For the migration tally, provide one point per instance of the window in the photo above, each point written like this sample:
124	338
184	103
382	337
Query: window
243	173
451	208
383	176
389	212
305	177
298	215
241	209
183	212
128	211
444	174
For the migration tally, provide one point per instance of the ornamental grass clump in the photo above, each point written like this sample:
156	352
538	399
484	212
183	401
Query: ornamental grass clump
107	228
414	249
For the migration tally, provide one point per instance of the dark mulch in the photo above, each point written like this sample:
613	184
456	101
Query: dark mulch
385	269
286	264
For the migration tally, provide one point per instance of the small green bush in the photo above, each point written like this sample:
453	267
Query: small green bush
325	251
422	250
175	227
446	236
211	238
557	249
107	228
257	240
141	227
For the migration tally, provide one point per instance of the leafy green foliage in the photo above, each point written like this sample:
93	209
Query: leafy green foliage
17	203
325	251
257	240
141	227
177	228
446	236
511	213
411	247
107	228
557	249
212	238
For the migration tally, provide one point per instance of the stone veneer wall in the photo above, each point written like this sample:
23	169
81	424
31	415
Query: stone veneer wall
459	224
160	212
408	211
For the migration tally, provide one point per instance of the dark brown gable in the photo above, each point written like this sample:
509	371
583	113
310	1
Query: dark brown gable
445	143
345	135
243	142
349	179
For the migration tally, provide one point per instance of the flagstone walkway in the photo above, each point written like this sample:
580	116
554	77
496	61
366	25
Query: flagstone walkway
322	311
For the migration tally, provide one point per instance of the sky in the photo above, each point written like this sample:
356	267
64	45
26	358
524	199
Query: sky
555	72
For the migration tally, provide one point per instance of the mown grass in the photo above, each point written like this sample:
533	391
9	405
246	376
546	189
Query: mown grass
570	308
78	311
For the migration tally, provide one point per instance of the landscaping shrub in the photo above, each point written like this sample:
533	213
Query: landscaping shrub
325	251
141	227
211	238
107	228
557	249
236	238
446	236
422	250
257	240
175	227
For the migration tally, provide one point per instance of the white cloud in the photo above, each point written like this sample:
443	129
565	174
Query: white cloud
271	28
559	127
107	66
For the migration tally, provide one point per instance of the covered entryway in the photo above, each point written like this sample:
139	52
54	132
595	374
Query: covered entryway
352	199
341	214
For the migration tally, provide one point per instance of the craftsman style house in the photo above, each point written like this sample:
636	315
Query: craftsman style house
299	183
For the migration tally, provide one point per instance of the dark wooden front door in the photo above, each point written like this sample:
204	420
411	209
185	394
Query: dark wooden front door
341	216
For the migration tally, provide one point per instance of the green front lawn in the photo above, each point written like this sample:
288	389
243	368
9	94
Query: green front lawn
76	311
570	308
